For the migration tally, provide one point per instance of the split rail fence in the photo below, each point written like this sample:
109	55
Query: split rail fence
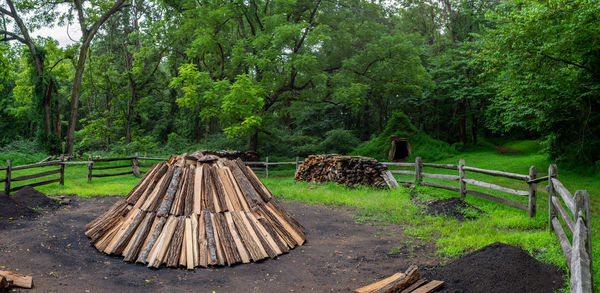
578	252
576	216
9	180
531	180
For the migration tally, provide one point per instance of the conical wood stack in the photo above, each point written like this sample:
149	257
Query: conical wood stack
197	210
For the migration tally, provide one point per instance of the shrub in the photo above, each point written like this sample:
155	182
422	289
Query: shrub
339	141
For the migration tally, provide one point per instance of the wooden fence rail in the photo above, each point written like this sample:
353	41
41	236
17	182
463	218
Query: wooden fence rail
9	178
133	164
266	164
531	180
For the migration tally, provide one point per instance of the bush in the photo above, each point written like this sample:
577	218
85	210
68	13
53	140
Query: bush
21	152
339	141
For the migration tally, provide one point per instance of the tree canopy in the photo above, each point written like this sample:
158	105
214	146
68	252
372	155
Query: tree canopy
296	77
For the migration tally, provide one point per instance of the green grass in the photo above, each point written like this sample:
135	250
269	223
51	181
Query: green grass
452	237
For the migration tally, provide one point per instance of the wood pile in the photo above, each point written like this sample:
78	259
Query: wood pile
347	170
231	155
196	210
407	282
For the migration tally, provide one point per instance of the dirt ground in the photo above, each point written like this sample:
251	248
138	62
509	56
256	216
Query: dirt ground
340	255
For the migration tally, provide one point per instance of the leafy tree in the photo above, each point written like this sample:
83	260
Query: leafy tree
544	59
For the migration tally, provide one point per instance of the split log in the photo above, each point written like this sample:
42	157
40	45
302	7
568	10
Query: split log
135	245
18	280
410	276
156	230
176	243
166	204
379	284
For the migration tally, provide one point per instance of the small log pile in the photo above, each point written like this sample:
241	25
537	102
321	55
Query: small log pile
231	155
347	170
407	282
196	210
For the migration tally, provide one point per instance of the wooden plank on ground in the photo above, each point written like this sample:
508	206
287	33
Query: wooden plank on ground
411	276
379	284
429	287
414	286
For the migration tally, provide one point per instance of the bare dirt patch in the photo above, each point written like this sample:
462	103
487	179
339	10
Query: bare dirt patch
340	255
453	207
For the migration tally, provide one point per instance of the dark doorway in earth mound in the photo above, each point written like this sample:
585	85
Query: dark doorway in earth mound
400	149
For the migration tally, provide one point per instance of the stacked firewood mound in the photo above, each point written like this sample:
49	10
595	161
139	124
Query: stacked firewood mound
196	210
347	170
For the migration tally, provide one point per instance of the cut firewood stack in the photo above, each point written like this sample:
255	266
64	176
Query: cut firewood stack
246	156
196	210
347	170
407	282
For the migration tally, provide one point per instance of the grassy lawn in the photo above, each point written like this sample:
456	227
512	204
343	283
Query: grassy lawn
452	237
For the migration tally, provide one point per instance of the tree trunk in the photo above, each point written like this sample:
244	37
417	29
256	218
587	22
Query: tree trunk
253	142
462	123
130	105
108	120
76	92
87	36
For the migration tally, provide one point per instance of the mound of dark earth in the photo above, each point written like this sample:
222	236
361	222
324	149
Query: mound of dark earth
23	203
497	267
452	207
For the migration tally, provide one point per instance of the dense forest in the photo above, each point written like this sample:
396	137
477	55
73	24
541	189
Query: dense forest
297	77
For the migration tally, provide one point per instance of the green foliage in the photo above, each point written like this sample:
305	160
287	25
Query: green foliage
544	63
339	141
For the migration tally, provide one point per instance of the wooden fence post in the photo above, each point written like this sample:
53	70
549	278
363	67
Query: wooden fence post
588	224
297	163
134	165
90	166
7	184
62	170
418	167
552	173
267	167
532	192
461	178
